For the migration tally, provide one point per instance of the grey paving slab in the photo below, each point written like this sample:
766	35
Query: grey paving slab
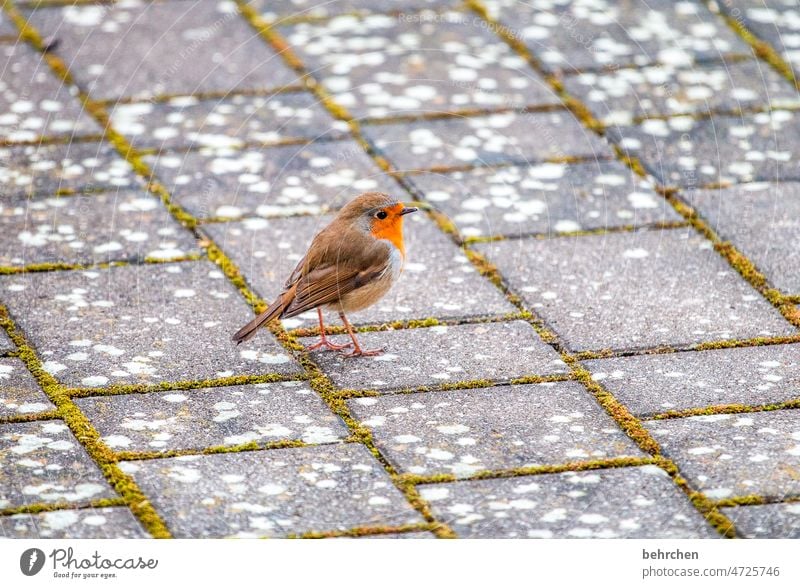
763	221
272	493
42	462
774	21
139	324
437	62
442	354
766	521
651	384
438	281
632	503
8	32
34	102
635	290
210	417
485	140
273	181
462	432
544	198
19	392
728	455
6	344
48	169
88	523
620	96
187	121
98	228
690	153
142	49
282	9
570	36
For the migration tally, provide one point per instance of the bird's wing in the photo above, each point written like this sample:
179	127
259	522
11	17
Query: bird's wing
328	285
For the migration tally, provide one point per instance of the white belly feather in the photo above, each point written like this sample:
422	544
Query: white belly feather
369	294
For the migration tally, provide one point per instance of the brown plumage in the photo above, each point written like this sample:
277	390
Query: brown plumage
349	266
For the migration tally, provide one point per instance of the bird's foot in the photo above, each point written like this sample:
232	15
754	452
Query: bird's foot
358	352
324	343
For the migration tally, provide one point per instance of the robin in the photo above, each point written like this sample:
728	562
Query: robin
349	266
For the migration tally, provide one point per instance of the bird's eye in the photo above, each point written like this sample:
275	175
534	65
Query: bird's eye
381	214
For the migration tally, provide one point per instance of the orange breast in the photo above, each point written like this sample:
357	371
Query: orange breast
391	231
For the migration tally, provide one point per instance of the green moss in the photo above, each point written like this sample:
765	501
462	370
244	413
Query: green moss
117	389
253	446
727	409
366	531
29	418
53	506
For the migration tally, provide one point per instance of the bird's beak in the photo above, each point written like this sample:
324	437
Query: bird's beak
408	210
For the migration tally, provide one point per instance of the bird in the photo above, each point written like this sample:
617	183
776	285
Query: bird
350	265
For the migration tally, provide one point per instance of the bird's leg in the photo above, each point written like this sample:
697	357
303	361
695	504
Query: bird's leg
323	340
357	351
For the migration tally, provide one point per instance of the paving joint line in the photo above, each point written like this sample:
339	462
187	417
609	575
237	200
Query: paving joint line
42	507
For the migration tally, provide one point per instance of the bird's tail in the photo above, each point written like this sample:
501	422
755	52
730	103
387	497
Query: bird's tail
274	311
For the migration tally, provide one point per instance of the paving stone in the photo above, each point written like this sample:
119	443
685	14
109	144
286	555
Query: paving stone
42	462
570	36
766	521
276	181
34	102
139	325
438	281
8	32
437	355
613	503
272	493
763	221
635	290
544	198
19	392
187	121
462	432
486	140
143	49
728	455
48	169
97	228
282	9
210	417
6	344
89	523
774	21
621	96
651	384
690	153
381	66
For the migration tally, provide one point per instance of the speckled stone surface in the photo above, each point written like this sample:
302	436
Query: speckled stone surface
284	9
19	392
272	493
6	344
142	49
486	140
729	455
8	32
225	122
89	523
613	503
42	462
763	221
462	432
544	198
635	290
47	169
766	521
273	181
436	62
139	325
569	36
97	228
438	355
621	96
651	384
210	417
34	102
774	21
692	153
438	281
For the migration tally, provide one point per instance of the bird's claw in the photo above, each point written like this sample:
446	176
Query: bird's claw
324	343
358	352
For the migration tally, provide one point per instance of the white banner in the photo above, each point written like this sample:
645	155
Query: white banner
410	562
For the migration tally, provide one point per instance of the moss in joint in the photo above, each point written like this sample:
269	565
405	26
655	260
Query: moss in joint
54	506
365	531
252	446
